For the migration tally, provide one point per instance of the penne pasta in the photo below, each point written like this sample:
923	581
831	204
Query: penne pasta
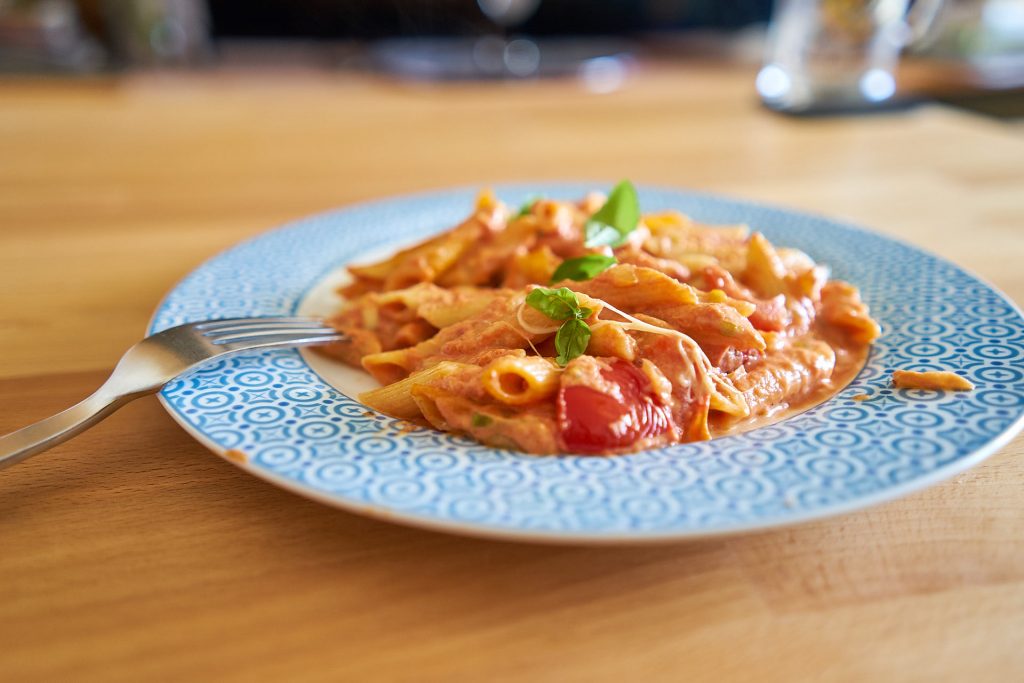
843	309
786	375
396	398
664	331
516	381
608	338
765	272
428	264
930	380
390	366
464	303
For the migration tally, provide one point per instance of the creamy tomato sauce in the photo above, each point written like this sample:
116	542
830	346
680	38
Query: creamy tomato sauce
850	359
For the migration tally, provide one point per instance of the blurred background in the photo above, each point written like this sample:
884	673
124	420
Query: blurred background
810	56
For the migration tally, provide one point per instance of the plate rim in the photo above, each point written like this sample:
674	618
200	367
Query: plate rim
477	529
639	537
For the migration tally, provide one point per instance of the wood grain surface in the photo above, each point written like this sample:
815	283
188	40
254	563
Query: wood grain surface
133	554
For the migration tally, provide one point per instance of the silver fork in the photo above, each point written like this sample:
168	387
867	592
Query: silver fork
154	362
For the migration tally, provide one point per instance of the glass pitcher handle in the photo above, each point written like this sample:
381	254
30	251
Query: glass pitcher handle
921	19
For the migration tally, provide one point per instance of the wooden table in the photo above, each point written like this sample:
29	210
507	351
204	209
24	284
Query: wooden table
131	553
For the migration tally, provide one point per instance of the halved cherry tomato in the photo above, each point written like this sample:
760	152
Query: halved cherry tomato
594	422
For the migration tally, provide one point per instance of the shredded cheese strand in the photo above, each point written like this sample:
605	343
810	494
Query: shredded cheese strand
528	341
724	396
697	356
533	329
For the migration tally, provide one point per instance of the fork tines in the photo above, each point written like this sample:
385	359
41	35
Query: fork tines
266	329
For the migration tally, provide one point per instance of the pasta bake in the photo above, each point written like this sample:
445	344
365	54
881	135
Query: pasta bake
589	327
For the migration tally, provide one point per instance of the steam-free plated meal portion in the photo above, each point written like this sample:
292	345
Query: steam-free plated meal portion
589	327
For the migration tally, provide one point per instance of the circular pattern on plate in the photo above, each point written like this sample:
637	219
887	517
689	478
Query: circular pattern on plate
303	434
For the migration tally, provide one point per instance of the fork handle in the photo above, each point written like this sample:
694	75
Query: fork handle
38	437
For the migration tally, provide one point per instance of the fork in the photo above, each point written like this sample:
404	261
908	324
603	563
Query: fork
156	360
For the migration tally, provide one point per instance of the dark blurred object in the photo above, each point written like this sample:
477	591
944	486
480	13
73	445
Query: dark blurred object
1007	105
603	62
46	35
466	39
158	32
496	54
374	19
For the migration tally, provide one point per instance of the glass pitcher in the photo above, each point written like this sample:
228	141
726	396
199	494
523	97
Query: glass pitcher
834	55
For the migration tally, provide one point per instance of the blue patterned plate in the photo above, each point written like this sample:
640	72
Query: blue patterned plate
278	415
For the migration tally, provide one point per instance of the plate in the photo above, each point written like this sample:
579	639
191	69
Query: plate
275	415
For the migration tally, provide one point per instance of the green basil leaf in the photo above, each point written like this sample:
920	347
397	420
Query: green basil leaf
583	268
612	223
557	304
481	420
583	313
571	340
527	206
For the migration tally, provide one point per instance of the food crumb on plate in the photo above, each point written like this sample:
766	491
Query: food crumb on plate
235	455
406	427
931	380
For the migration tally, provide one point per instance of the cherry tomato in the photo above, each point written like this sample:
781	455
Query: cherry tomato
593	422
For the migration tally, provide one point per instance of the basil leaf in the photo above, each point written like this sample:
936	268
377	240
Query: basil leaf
598	235
561	304
612	223
571	340
527	206
583	268
557	304
480	420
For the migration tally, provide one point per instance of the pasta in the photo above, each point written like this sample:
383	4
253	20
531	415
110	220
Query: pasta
588	327
396	398
518	380
932	380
